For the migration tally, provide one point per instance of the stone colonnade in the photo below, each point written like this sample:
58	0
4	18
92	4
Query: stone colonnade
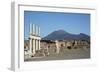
34	38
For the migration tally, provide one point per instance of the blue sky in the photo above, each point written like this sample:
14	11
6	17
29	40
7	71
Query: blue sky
48	22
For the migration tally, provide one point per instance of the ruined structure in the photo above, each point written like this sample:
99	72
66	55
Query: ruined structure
34	39
37	47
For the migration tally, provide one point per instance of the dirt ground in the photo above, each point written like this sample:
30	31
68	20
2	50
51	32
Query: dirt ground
65	54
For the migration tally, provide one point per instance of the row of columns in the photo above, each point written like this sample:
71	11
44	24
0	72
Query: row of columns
34	39
34	45
34	29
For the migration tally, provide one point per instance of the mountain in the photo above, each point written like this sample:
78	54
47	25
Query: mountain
63	35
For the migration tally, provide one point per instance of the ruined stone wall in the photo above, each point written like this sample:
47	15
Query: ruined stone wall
62	44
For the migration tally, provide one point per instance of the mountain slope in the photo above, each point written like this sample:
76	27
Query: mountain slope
63	35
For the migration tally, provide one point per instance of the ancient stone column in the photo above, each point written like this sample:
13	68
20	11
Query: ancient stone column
36	44
33	51
57	47
39	31
36	30
34	39
30	50
39	44
33	29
